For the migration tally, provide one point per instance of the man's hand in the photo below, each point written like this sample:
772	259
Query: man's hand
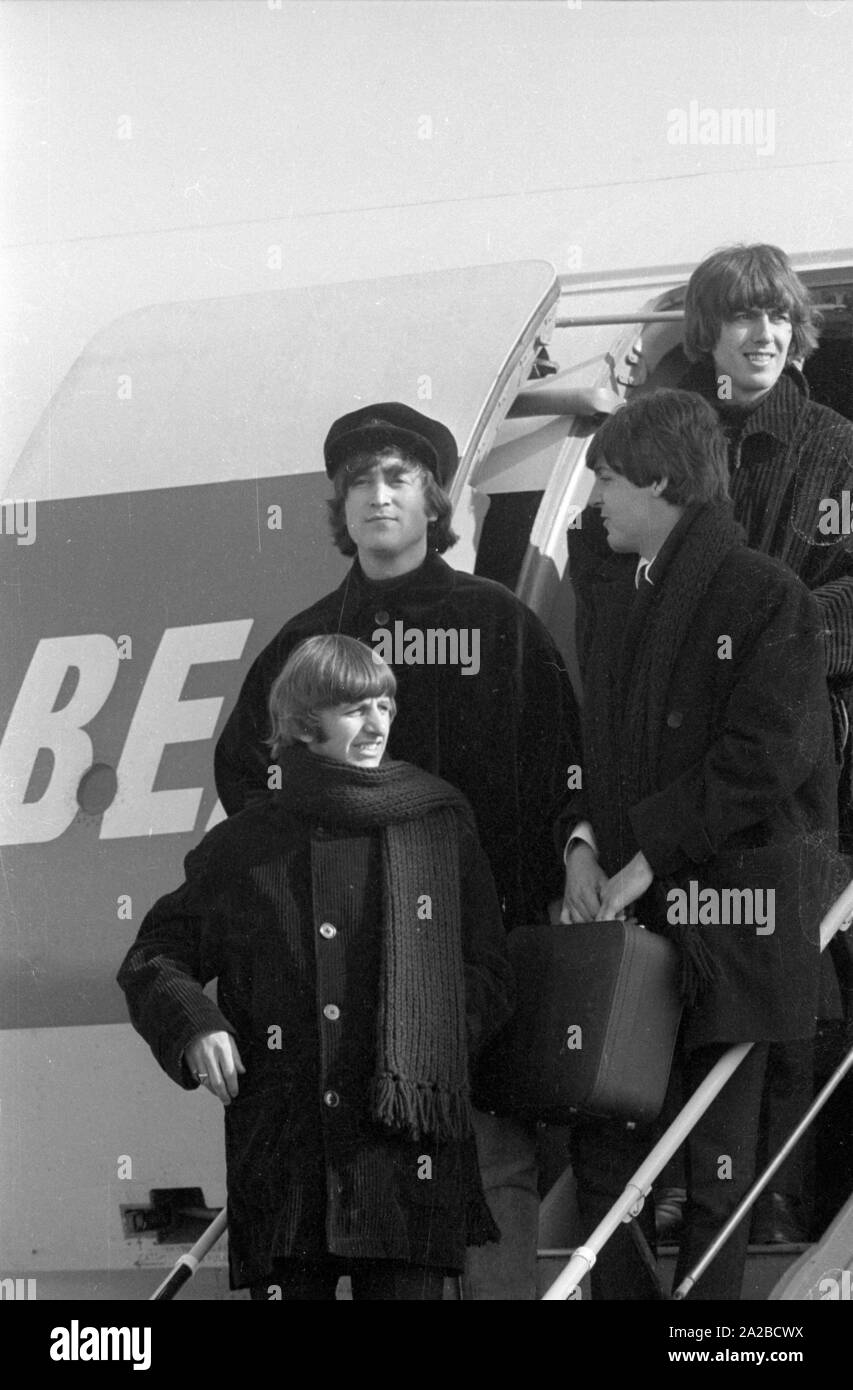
217	1057
585	883
625	888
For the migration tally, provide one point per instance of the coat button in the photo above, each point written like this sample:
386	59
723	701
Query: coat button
381	617
327	930
332	1011
674	719
331	1098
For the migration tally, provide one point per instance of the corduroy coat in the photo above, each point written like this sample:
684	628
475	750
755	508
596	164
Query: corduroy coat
787	457
744	785
285	913
505	736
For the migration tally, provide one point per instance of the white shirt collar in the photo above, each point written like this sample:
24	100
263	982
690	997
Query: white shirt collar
643	567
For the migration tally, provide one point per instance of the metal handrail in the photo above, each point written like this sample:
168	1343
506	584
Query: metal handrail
186	1266
759	1185
655	316
838	918
593	320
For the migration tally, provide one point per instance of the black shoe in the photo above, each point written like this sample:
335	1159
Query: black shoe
669	1213
776	1221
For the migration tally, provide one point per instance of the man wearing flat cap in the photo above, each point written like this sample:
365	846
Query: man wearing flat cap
500	723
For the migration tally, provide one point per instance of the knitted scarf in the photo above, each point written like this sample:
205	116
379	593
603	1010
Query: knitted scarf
421	1084
625	709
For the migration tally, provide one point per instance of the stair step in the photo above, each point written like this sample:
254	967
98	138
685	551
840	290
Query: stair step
765	1265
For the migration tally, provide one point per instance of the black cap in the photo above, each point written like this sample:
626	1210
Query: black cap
374	426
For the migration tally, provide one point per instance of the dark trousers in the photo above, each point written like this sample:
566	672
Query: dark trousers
719	1164
720	1168
604	1155
788	1092
315	1281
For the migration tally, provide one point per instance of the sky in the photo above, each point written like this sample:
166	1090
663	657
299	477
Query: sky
154	150
240	109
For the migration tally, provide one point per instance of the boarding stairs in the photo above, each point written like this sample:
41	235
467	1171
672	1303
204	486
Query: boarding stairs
823	1270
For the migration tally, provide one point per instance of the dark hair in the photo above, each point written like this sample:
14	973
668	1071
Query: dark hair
320	673
440	534
666	434
746	277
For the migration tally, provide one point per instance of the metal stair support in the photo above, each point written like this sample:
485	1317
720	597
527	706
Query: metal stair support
819	1274
838	918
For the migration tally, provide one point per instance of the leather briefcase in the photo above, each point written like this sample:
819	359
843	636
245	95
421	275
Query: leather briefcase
598	1009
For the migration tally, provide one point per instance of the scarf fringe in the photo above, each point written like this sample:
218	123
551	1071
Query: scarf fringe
698	966
418	1109
480	1227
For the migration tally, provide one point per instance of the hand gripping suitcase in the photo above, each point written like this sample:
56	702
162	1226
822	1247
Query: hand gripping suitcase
598	1009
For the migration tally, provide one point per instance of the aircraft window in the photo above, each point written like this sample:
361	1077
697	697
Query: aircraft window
505	533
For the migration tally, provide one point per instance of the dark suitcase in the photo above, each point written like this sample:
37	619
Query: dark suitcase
595	1025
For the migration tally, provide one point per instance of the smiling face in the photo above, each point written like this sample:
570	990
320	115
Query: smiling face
387	516
355	733
752	350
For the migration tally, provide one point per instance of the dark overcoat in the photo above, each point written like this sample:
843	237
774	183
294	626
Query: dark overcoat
743	789
789	459
505	736
285	913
